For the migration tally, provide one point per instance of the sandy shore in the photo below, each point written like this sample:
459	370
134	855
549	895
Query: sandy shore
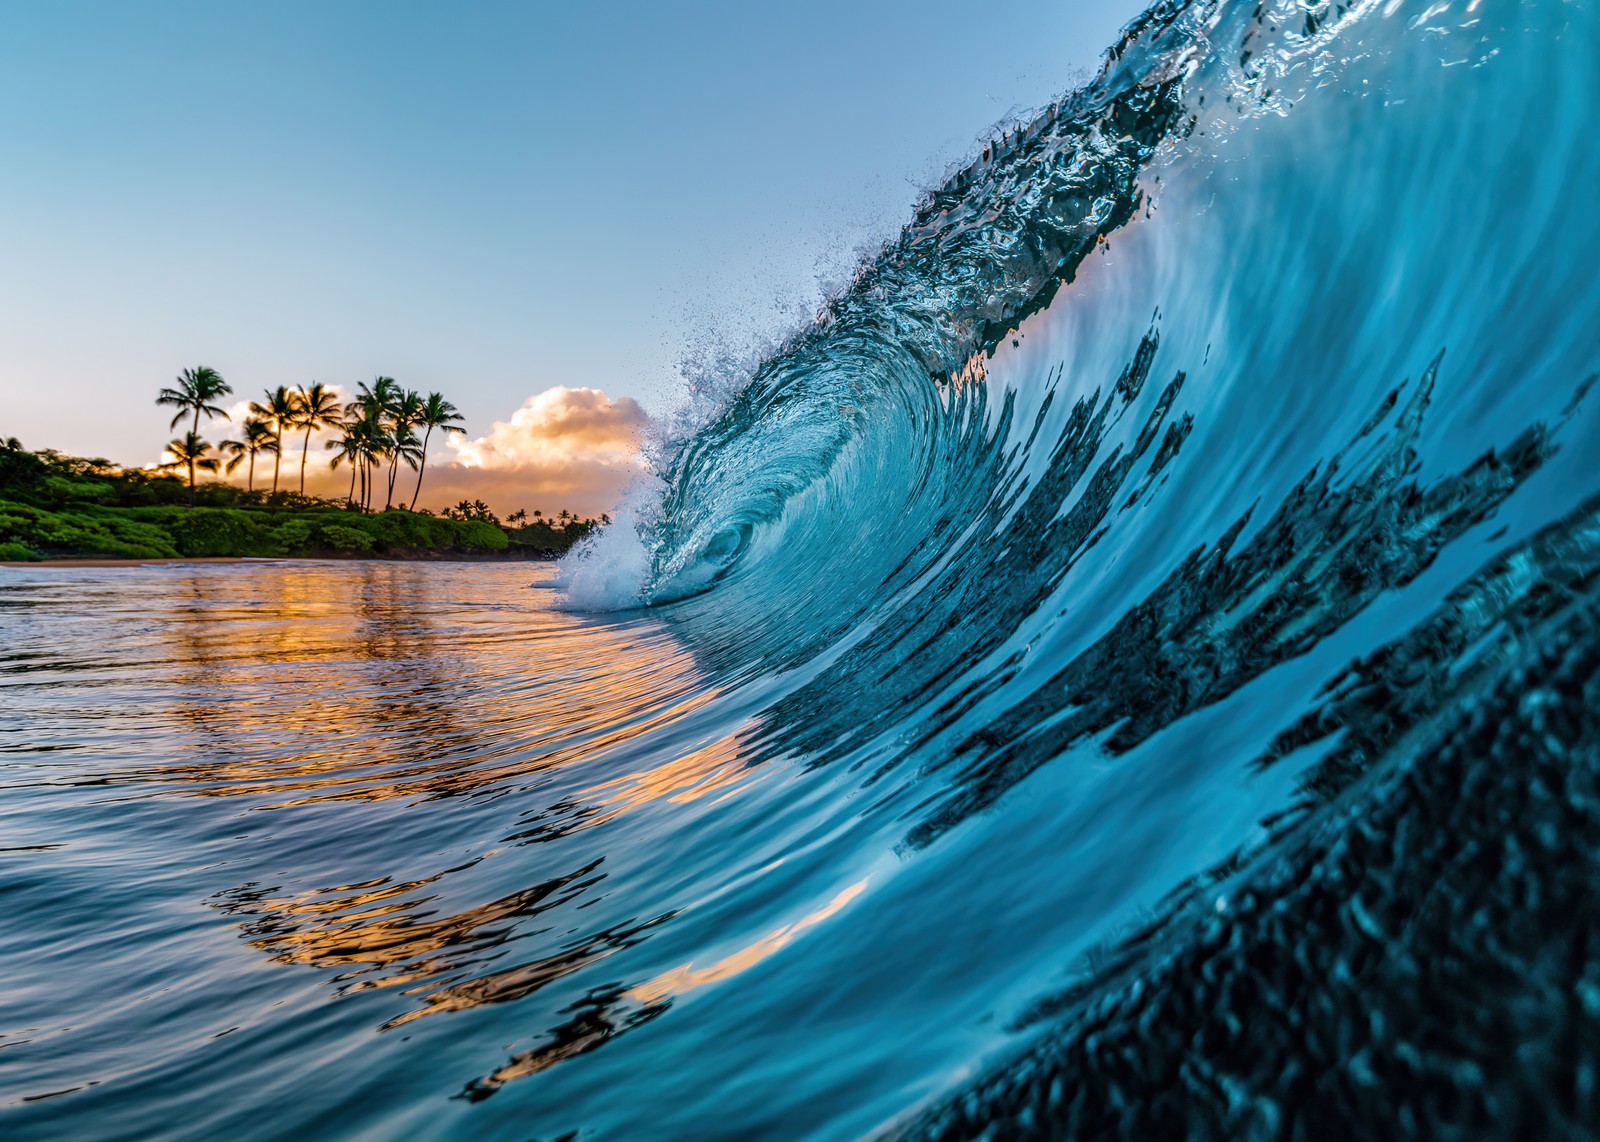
430	558
136	562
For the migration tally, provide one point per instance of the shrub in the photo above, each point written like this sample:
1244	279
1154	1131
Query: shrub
60	490
290	537
401	529
143	540
337	537
48	532
475	534
20	471
218	531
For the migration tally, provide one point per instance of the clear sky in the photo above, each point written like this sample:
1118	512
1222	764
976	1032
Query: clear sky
490	199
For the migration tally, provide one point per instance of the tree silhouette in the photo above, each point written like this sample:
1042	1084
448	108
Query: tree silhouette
315	408
196	389
373	406
280	409
405	410
436	412
189	450
348	450
258	437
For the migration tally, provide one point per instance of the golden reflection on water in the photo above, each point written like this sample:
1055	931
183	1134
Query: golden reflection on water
330	685
688	977
606	1013
314	684
716	768
379	931
350	684
293	685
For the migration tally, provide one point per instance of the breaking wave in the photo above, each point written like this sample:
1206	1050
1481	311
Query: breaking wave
1216	437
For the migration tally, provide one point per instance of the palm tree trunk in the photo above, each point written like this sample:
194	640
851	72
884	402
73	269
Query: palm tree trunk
394	470
277	459
304	444
422	467
191	462
350	500
250	484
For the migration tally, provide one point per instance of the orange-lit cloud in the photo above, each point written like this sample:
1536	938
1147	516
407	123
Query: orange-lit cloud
564	448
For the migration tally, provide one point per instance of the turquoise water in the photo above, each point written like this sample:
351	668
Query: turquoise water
1147	523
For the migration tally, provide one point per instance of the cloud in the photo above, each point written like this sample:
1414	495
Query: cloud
557	428
565	448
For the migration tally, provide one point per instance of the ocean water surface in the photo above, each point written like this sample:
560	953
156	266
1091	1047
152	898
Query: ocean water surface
1127	670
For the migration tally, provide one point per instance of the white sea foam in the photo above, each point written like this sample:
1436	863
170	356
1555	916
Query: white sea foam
610	569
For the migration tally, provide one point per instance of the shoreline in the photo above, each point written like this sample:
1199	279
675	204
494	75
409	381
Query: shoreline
102	561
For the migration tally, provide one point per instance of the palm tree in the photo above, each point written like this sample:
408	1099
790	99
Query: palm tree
370	442
197	388
347	449
377	398
280	409
436	413
258	437
372	409
405	410
316	409
376	444
190	450
404	446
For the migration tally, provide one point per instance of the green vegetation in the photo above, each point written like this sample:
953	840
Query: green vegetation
560	535
54	506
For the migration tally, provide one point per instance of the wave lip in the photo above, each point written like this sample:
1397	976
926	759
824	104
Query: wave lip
982	252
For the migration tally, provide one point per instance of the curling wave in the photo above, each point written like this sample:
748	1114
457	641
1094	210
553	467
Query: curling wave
1233	365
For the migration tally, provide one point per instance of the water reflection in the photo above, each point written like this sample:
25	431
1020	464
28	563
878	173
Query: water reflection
688	977
299	690
607	1012
380	933
314	688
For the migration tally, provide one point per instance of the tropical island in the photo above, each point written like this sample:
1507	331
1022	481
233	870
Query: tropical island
56	506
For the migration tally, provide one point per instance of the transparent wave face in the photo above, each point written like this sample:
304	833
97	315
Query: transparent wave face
1020	673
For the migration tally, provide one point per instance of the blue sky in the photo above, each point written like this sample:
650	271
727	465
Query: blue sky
489	199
